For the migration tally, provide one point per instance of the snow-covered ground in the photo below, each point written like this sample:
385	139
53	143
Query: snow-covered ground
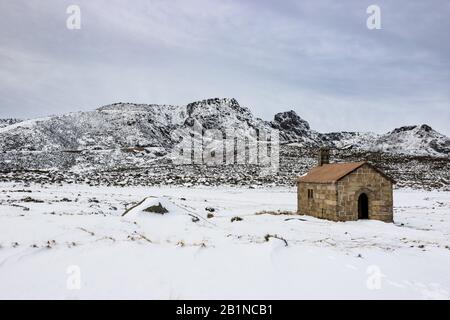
76	244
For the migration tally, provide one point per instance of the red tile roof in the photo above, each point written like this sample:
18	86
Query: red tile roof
328	173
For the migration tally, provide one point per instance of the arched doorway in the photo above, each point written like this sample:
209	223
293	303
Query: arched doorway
363	206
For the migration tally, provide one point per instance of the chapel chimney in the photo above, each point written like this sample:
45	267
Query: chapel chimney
323	156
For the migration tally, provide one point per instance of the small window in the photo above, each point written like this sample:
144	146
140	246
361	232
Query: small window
310	193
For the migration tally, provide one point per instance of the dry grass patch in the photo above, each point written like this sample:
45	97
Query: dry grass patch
276	213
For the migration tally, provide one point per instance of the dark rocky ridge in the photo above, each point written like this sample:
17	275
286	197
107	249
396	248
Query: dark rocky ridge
8	122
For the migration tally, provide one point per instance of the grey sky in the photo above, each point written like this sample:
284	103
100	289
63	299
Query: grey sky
315	57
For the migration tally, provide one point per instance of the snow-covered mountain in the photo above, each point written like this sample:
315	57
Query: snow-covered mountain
124	125
415	140
114	126
127	125
412	140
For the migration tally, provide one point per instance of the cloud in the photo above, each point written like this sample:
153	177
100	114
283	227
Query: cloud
316	57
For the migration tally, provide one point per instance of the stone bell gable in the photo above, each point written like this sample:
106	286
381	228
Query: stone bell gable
346	192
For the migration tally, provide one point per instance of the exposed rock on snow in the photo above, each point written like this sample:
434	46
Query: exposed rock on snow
152	205
156	209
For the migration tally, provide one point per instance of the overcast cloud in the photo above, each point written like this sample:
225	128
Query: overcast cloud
315	57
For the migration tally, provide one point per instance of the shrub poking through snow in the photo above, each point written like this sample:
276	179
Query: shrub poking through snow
181	243
50	244
210	215
275	213
236	219
194	218
268	236
156	209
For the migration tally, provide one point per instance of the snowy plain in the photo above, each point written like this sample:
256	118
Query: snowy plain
48	231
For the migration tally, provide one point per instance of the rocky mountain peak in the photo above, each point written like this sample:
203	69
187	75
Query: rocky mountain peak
219	113
123	125
425	128
8	122
290	120
413	128
217	104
